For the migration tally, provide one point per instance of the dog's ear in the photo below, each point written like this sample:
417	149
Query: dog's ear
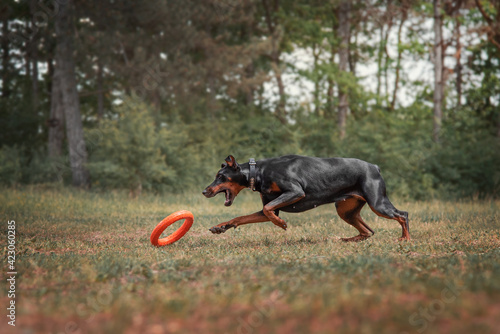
231	162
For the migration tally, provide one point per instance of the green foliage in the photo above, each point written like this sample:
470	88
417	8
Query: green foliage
128	151
209	95
19	165
413	166
132	152
10	165
197	150
21	125
42	169
466	164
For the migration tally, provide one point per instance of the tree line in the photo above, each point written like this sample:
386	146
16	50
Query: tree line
203	72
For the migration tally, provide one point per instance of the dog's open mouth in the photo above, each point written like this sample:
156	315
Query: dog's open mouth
229	197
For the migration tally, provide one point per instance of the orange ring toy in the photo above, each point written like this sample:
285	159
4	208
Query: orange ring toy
183	214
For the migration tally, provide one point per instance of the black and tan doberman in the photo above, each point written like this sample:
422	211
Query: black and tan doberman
295	183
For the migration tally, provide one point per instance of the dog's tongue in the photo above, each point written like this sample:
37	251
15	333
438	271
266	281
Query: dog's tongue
228	199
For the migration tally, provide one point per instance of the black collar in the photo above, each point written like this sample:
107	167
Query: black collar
252	174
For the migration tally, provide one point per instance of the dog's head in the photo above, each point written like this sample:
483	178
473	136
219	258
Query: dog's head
229	180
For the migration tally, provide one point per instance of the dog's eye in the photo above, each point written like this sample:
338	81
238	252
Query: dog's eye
220	177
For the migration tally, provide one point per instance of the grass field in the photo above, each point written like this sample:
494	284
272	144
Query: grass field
85	265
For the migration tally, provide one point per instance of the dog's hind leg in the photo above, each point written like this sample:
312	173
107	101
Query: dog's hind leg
387	210
376	197
349	210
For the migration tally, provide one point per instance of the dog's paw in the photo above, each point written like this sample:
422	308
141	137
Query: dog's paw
220	229
217	230
280	223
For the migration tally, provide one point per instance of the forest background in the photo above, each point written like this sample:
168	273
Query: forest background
153	95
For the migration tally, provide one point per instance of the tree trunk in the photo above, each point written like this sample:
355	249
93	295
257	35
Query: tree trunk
34	59
211	98
344	33
379	64
330	108
34	77
316	79
493	32
280	108
498	124
493	36
5	57
250	68
100	92
398	62
56	120
383	55
55	123
275	57
27	50
438	71
353	58
458	67
249	74
387	59
65	72
329	112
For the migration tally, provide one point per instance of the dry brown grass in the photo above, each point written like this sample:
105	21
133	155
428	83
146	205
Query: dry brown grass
85	265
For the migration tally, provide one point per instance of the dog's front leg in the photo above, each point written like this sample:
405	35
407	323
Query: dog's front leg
257	217
285	199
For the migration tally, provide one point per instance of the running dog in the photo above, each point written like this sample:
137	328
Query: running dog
296	183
